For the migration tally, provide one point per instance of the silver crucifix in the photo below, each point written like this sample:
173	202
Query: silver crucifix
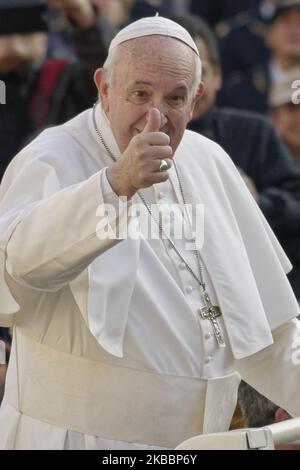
212	312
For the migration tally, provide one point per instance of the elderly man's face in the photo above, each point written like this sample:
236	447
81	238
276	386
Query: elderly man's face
152	72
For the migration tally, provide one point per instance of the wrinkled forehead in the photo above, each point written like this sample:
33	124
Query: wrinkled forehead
156	56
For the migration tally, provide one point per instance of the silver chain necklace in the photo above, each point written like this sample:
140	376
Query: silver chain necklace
210	312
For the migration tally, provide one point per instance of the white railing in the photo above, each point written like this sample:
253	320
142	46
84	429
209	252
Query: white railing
285	432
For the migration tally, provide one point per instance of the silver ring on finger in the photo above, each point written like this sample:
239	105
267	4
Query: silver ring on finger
163	165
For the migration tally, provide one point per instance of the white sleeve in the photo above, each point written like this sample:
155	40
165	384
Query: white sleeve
109	196
63	234
275	371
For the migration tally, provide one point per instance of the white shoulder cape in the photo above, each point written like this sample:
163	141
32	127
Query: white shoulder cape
246	263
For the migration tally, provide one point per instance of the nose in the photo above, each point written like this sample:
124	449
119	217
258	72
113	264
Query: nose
164	120
162	108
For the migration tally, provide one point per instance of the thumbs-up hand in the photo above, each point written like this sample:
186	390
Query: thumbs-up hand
153	121
139	166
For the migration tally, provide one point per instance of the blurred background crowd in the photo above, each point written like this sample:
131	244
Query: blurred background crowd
250	51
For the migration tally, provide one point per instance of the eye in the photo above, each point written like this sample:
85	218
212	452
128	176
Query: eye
138	97
177	100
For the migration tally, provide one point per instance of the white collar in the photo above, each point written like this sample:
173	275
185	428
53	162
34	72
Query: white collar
104	127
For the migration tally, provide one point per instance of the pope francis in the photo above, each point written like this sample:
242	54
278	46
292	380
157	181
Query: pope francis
137	342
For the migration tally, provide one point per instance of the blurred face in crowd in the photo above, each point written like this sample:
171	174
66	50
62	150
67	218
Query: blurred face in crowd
150	72
287	121
211	76
17	50
284	36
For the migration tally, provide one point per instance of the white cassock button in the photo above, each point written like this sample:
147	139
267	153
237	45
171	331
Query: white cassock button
207	336
189	289
182	266
208	359
160	195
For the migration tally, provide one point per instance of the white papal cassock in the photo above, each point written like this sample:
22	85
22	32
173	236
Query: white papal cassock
109	350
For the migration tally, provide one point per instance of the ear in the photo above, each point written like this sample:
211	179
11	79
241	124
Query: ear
102	86
200	93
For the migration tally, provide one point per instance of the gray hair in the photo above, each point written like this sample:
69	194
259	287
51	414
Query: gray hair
115	56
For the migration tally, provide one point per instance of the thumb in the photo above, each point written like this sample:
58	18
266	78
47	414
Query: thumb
153	121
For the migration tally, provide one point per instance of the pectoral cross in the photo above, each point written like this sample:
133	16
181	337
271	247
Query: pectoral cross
211	312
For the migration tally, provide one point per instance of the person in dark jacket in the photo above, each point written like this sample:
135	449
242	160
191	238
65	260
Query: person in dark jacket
257	52
241	39
255	147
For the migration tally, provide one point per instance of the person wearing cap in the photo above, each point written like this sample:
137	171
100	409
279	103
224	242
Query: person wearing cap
257	56
127	337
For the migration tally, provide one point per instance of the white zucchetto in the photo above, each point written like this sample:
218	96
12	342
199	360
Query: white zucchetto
156	25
